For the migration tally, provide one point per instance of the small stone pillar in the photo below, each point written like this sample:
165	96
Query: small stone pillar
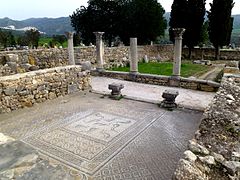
99	50
178	32
169	99
70	48
116	90
133	56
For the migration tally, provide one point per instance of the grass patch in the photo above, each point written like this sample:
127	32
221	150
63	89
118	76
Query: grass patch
187	69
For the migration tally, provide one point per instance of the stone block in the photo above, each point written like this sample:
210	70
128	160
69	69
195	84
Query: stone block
12	58
72	88
169	99
86	66
116	90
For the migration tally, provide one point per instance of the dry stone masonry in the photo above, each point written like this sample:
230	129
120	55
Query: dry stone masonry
24	90
215	151
195	84
13	62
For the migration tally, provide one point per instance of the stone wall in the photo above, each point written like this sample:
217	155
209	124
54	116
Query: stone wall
13	62
214	153
24	90
195	84
209	54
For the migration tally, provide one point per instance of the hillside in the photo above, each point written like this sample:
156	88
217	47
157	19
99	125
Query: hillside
60	25
50	26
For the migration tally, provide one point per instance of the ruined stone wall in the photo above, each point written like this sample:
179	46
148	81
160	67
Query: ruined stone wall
13	62
119	56
195	84
209	54
24	90
214	153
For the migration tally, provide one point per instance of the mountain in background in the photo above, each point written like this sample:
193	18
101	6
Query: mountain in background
54	26
51	26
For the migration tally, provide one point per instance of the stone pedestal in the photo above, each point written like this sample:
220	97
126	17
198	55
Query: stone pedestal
133	56
70	48
99	50
169	99
116	90
178	32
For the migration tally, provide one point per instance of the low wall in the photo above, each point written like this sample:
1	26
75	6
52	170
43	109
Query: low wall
209	54
24	90
13	62
214	153
202	85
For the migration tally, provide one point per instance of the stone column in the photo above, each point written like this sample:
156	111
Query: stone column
133	56
70	48
178	32
99	50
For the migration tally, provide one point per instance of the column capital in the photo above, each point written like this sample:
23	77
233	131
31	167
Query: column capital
69	35
178	32
98	34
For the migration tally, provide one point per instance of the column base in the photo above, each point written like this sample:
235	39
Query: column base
174	81
133	72
100	69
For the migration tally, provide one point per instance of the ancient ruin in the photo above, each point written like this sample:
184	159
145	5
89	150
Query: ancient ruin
56	122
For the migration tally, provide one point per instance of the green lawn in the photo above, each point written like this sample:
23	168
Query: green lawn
165	68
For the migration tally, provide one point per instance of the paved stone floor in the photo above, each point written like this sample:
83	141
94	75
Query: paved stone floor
105	139
188	98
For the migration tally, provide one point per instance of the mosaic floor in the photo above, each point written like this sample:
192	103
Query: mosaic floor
105	139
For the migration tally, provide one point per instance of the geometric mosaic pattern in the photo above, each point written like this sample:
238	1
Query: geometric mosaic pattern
105	139
89	141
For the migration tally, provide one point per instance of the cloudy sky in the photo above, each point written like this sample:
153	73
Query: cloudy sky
23	9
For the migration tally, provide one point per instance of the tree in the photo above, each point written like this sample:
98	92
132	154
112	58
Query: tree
142	19
188	14
178	16
100	15
32	37
22	41
120	18
220	23
195	19
7	39
59	39
204	37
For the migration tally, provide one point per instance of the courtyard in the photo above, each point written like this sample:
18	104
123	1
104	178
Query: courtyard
99	138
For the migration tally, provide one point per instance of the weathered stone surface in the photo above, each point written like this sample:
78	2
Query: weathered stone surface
219	132
24	90
233	167
113	56
197	148
190	156
5	139
169	98
218	157
86	66
15	154
43	170
209	160
116	90
186	171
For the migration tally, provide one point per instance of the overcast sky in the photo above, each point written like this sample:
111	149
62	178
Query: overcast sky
23	9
